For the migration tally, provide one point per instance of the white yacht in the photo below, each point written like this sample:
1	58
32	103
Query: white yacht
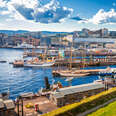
35	62
24	45
45	64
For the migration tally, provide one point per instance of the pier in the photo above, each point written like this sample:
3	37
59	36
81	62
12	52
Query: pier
80	62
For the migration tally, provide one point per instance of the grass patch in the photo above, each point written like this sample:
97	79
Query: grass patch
109	110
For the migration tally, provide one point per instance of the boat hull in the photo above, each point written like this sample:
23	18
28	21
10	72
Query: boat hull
39	65
73	75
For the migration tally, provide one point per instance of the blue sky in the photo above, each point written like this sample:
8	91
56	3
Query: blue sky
57	15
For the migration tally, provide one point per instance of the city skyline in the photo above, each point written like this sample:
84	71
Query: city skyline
57	15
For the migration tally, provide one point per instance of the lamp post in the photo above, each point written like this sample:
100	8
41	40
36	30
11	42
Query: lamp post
17	106
21	105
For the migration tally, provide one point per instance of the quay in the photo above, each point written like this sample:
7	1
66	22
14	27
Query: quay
80	62
75	63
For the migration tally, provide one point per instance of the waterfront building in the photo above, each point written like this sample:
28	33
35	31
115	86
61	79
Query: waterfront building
112	34
45	41
105	32
93	42
73	94
55	41
110	45
96	33
96	45
1	39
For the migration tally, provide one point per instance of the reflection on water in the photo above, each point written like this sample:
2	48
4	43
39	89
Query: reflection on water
20	80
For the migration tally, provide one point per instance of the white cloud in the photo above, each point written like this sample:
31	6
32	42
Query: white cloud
104	17
2	3
4	12
26	3
35	10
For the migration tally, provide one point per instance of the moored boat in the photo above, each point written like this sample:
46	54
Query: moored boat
44	64
74	74
3	61
77	72
18	63
111	71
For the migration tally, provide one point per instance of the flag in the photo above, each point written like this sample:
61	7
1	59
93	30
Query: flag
61	53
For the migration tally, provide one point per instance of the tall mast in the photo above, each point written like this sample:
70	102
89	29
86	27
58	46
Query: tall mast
71	55
45	50
84	55
59	52
32	48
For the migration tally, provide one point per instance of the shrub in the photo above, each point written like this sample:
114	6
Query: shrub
85	104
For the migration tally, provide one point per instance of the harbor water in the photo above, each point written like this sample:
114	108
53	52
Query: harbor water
21	80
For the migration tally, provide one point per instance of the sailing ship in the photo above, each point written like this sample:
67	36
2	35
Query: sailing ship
36	62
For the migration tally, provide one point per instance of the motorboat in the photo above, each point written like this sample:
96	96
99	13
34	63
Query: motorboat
24	45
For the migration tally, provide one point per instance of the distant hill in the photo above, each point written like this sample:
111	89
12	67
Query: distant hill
11	32
50	32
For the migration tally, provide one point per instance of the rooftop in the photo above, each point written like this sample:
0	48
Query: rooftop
97	40
7	104
79	88
1	104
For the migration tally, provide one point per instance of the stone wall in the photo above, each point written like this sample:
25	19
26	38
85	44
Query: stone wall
75	97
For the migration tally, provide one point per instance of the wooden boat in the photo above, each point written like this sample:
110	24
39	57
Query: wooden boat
18	63
78	72
3	61
74	74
